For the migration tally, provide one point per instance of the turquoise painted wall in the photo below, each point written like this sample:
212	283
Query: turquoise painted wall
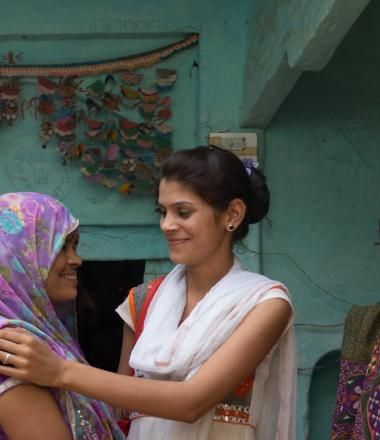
221	24
322	159
320	154
27	165
205	99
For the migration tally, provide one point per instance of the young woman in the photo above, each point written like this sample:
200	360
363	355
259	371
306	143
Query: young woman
215	359
38	286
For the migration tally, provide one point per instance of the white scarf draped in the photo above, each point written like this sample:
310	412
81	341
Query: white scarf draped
166	350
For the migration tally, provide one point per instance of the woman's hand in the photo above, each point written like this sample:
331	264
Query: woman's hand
26	358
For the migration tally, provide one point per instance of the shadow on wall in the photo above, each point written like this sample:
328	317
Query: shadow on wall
322	395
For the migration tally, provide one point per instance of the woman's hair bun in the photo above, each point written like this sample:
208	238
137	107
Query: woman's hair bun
260	196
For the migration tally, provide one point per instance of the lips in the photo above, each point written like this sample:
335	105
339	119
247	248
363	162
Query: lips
176	240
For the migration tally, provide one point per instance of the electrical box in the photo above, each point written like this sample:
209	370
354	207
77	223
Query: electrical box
244	145
233	141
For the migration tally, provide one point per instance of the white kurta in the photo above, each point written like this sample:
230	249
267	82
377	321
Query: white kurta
272	410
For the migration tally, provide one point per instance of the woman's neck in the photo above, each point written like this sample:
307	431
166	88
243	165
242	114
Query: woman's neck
200	279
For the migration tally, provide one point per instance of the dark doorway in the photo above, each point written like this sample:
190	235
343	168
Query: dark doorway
103	285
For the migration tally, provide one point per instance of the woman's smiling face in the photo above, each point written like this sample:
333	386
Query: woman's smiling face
194	230
61	283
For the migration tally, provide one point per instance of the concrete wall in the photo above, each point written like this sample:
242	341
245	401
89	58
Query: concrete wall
320	153
322	160
206	98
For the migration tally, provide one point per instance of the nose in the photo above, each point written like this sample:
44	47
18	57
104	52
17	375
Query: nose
167	223
74	259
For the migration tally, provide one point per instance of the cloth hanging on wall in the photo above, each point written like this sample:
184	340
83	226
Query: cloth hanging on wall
108	113
357	409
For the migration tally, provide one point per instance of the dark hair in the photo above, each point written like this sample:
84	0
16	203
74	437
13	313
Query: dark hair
218	177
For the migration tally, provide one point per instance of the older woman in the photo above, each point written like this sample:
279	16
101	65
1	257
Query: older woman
38	286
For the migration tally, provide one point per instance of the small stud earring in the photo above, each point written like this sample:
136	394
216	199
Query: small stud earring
230	227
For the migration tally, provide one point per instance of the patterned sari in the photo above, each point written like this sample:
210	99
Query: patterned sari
357	407
33	229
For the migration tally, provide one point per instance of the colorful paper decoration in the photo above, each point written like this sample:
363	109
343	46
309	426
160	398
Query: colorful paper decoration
106	114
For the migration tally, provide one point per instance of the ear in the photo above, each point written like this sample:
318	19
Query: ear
235	212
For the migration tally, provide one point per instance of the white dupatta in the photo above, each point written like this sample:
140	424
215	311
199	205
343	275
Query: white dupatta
168	351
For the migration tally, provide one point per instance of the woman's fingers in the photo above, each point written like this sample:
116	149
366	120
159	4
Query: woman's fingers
15	335
10	365
13	372
27	355
16	342
12	352
5	357
29	358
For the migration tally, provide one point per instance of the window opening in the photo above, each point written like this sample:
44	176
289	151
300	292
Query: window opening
102	286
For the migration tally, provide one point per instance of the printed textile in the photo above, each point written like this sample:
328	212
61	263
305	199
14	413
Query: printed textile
357	408
33	228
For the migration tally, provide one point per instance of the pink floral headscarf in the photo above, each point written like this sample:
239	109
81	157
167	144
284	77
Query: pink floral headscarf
33	229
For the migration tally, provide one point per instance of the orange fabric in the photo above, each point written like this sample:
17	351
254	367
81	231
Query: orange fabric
131	301
245	387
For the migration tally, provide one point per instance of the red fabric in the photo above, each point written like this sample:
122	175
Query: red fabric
125	424
153	286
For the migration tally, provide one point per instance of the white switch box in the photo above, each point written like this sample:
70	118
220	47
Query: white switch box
234	141
244	145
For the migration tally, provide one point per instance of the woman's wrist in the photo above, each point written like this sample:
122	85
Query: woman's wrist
62	379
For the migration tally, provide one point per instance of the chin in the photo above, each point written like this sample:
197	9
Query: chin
63	298
73	297
176	259
181	259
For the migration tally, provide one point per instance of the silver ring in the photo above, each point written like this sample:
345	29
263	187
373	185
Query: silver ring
7	356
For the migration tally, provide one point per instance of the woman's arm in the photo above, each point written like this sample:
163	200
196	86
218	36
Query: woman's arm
126	350
123	367
30	412
186	401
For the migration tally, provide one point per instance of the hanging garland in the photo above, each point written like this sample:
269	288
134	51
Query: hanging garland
84	107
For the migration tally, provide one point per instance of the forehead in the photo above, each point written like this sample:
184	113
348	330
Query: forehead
73	236
174	192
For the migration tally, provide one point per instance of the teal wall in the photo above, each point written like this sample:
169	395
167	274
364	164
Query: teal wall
320	153
26	165
222	26
205	98
322	159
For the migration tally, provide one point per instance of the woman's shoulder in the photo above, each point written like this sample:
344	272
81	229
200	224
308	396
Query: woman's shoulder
23	406
262	286
252	277
13	392
12	388
8	384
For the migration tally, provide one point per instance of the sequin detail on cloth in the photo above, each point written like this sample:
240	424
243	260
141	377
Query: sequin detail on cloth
237	414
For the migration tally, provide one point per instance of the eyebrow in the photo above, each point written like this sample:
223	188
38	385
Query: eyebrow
181	202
